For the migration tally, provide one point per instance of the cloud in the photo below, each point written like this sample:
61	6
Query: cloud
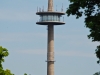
74	53
37	52
57	53
11	15
78	41
19	37
75	40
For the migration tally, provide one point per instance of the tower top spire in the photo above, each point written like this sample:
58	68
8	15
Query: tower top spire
50	5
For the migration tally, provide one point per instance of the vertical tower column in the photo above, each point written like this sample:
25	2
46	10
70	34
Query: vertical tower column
50	5
50	51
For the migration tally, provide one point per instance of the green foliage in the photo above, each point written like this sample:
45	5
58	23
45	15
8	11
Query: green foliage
7	72
25	74
91	10
3	53
98	53
97	73
1	71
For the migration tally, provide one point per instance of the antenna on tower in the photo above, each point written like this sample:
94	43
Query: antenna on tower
43	9
37	9
56	7
40	9
62	7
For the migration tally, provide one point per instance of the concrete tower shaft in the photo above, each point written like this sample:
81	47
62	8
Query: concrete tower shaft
50	51
50	48
50	5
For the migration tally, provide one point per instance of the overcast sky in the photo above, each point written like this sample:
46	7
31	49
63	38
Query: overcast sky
27	42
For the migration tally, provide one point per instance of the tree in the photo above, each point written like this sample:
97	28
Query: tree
97	73
1	71
91	10
25	74
4	53
7	72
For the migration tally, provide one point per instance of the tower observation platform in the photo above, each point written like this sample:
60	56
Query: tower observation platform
50	18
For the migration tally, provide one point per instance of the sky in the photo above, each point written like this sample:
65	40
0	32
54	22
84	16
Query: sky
27	42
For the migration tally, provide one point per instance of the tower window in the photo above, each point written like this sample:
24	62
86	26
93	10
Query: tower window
49	18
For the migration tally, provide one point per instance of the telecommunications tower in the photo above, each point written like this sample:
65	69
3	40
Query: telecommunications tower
50	18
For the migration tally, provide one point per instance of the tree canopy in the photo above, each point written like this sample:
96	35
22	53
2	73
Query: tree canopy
91	10
97	73
4	53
